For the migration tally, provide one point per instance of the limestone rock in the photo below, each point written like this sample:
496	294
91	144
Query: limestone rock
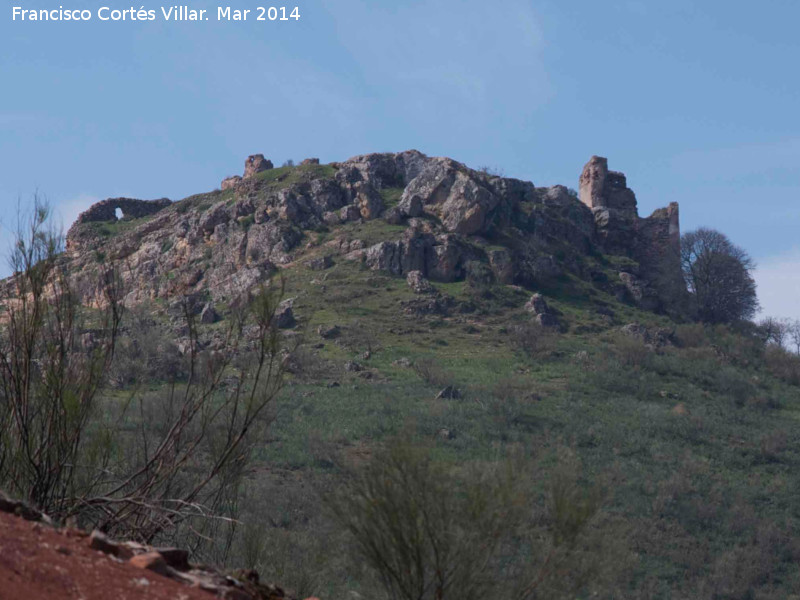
177	558
350	213
537	305
22	509
638	291
230	182
369	202
383	170
418	283
100	542
352	366
435	304
542	313
320	263
393	216
656	337
209	315
457	196
502	264
284	316
410	206
152	561
449	393
329	332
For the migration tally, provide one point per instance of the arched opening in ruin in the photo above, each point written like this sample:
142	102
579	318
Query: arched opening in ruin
118	213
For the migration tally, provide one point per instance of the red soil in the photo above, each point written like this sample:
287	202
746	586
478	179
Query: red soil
41	563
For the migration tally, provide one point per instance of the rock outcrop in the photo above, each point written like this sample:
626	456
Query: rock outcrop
224	243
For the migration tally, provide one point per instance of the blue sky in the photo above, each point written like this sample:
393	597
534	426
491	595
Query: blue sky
695	102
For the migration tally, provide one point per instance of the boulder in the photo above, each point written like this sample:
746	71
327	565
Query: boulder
284	316
449	393
320	263
393	216
410	206
547	320
542	313
329	332
349	213
152	561
417	282
309	161
369	202
352	366
455	194
209	315
537	305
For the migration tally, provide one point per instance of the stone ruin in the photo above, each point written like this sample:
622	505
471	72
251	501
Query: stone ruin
619	227
254	164
106	210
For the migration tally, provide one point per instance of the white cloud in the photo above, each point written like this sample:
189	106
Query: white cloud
778	280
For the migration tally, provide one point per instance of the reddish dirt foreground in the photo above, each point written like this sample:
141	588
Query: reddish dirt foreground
41	563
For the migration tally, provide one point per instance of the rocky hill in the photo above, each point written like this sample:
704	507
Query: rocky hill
433	216
491	321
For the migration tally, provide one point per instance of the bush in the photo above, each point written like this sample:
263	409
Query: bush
632	351
691	336
431	532
533	340
783	364
432	373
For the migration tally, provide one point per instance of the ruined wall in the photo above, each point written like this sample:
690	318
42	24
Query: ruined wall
106	210
613	205
256	163
654	242
658	245
601	188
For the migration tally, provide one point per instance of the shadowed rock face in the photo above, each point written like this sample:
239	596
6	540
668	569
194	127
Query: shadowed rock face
226	243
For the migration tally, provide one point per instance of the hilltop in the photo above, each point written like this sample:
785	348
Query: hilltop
490	319
396	213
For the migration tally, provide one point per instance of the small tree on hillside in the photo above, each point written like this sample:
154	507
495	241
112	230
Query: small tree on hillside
50	368
718	276
775	331
794	334
156	466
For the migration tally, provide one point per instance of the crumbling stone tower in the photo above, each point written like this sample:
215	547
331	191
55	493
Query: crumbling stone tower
654	242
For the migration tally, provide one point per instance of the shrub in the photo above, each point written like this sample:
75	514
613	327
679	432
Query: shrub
533	340
783	364
432	373
632	351
731	383
431	532
691	335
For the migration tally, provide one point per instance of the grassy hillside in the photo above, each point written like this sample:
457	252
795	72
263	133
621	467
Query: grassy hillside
685	434
694	437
